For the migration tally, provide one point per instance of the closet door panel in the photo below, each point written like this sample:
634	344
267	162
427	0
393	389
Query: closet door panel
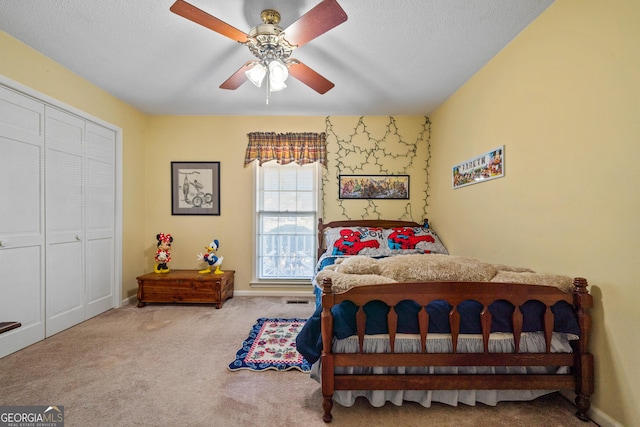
100	214
100	276
99	200
101	143
64	195
21	220
22	297
20	269
100	218
21	190
65	295
64	221
20	117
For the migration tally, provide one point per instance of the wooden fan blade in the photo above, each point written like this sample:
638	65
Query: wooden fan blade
201	17
324	16
238	77
309	77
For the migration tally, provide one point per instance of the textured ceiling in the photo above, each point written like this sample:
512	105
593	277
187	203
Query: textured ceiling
389	58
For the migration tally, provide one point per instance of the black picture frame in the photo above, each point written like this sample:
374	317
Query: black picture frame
373	186
195	188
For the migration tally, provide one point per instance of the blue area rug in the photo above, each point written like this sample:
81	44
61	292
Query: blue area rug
271	346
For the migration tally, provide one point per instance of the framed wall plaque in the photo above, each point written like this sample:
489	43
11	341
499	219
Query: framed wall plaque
481	168
195	188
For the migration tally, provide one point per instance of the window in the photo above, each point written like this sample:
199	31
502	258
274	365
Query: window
287	204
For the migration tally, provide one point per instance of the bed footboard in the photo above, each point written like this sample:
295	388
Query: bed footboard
579	378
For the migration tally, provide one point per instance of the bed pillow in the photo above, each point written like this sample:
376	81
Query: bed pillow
347	241
414	240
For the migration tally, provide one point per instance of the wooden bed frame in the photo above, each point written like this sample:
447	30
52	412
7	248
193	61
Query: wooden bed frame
580	362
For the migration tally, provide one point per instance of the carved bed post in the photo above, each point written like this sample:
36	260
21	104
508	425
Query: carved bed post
584	360
326	360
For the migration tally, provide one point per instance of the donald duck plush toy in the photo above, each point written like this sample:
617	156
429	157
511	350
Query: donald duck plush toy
211	258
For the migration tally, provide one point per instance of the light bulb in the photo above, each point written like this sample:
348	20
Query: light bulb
276	86
278	72
256	74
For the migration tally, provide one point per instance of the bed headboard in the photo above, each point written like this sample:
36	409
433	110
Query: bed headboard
380	223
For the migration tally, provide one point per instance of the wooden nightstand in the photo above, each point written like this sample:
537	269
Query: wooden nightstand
186	286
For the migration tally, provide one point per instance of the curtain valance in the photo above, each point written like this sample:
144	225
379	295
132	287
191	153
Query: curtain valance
301	148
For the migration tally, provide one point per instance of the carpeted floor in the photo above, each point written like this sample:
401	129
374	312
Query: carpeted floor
166	365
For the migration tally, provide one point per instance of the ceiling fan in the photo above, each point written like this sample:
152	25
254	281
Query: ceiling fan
272	45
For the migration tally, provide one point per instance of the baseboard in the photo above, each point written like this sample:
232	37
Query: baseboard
298	294
602	419
132	300
596	415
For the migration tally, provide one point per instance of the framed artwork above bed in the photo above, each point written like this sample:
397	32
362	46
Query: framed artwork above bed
373	186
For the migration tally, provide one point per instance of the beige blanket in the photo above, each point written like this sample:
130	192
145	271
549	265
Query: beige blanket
362	271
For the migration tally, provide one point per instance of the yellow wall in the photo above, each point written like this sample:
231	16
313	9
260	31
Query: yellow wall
563	98
151	143
224	140
30	68
377	145
215	139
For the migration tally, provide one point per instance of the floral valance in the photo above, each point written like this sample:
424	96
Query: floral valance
301	148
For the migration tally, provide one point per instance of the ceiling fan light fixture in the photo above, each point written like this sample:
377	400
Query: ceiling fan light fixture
256	74
272	45
278	72
276	86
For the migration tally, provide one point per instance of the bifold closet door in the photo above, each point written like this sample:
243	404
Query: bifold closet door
57	219
100	219
21	220
65	238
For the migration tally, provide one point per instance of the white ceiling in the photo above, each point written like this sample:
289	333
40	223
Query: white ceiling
402	57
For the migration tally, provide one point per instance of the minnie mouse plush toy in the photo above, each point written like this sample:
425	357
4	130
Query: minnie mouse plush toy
162	254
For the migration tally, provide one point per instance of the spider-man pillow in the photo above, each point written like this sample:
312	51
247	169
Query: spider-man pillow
413	239
345	241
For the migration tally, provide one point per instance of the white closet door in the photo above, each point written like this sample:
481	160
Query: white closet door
64	159
100	214
21	220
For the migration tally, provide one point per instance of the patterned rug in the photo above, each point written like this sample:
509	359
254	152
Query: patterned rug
271	345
